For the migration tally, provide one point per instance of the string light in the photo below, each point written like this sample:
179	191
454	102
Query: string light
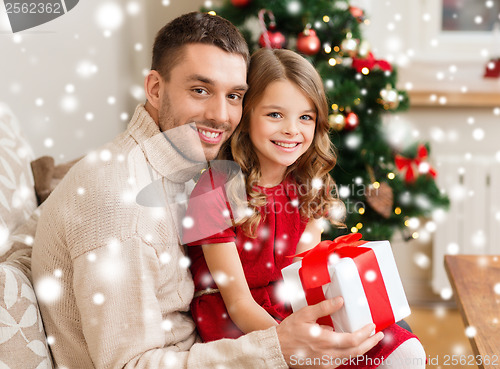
397	211
376	185
335	107
361	211
365	71
211	12
328	49
354	230
332	62
391	175
359	225
414	235
336	49
326	18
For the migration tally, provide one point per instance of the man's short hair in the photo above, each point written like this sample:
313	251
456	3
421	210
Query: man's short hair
192	28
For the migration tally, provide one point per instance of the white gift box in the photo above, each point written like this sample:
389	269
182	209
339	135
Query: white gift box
346	282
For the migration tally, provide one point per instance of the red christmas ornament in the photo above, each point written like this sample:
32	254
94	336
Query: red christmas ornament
357	13
351	121
308	43
270	38
492	69
240	3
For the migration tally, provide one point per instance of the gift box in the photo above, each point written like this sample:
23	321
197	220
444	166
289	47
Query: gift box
363	273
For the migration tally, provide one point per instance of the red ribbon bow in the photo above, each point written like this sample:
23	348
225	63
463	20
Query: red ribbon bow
370	62
314	274
315	261
408	164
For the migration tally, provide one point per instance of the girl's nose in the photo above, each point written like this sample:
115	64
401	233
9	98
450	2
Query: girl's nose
290	127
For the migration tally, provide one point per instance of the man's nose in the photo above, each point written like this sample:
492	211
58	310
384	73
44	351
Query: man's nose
218	110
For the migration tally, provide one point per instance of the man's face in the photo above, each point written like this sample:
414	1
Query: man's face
205	88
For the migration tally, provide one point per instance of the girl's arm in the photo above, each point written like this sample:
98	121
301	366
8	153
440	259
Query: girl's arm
225	266
311	236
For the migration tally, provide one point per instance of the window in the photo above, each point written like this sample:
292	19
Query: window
470	15
458	30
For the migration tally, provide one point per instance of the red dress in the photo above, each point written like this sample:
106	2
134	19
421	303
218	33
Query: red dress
262	259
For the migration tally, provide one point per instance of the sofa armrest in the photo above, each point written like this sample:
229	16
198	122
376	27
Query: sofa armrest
22	338
20	244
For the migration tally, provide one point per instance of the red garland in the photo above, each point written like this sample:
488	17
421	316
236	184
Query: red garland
314	274
370	62
408	164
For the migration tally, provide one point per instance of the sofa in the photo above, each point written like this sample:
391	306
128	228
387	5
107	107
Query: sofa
23	343
24	184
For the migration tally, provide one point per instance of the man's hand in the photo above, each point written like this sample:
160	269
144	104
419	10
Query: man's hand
302	339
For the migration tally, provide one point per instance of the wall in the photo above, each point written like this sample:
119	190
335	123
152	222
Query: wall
75	81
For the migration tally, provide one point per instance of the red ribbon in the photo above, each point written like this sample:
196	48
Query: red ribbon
408	164
314	274
370	62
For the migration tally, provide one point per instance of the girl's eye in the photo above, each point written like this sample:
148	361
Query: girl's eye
306	117
274	115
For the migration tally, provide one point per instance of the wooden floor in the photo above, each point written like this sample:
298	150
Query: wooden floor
442	333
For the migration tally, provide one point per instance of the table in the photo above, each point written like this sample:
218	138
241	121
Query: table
476	283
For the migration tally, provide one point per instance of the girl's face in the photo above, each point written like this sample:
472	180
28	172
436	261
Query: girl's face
282	126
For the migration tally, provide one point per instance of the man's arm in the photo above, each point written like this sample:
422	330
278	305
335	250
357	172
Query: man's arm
123	325
123	320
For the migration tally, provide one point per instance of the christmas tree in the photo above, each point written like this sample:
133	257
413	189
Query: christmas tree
383	189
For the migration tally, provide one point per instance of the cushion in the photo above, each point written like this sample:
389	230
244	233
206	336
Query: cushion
22	337
17	195
47	175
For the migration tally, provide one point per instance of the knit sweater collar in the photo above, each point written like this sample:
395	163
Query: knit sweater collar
160	153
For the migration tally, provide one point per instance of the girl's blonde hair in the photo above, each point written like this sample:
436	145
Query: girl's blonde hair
267	66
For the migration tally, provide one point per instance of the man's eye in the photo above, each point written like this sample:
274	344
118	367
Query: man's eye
234	97
274	115
200	91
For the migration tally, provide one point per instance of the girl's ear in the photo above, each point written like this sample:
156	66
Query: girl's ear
153	84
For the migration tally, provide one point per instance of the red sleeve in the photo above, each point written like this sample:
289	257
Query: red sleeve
208	217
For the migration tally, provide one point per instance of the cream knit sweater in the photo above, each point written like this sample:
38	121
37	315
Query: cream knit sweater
113	284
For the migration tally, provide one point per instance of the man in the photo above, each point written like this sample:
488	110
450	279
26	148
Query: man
112	281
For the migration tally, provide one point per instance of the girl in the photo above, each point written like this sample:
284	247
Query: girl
283	148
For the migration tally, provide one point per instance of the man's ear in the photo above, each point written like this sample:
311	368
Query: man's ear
153	84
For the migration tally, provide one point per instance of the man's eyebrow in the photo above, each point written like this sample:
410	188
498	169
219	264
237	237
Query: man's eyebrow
242	88
208	81
200	78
